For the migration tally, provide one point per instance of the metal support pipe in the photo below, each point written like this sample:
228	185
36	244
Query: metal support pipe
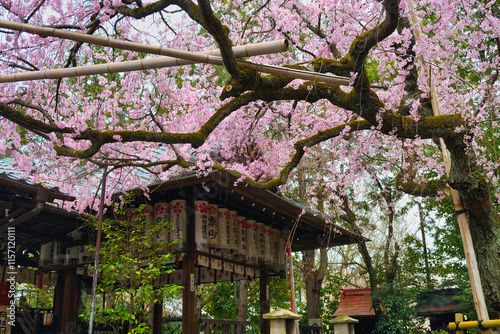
459	325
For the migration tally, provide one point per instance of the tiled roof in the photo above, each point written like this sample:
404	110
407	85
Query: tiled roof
356	303
438	302
7	170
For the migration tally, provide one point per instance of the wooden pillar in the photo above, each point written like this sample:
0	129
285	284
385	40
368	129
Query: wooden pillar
264	302
157	318
188	264
459	317
65	301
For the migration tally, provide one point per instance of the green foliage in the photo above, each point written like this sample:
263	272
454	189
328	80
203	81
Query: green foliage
279	295
131	260
36	298
224	304
396	313
448	257
330	297
467	306
172	329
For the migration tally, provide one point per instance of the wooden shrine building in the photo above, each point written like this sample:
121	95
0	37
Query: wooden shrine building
29	218
268	220
304	228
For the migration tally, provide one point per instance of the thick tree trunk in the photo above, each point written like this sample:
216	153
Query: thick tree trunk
483	218
485	232
313	281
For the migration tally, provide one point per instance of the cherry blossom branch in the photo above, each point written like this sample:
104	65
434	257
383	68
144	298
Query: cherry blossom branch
300	149
220	34
196	139
30	123
354	61
423	189
141	12
317	30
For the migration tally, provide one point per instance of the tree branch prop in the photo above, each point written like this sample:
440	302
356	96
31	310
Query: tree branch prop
192	56
248	50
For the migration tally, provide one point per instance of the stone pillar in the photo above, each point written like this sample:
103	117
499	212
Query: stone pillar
282	321
343	324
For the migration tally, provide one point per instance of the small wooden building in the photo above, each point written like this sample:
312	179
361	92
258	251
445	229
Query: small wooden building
29	216
38	221
357	304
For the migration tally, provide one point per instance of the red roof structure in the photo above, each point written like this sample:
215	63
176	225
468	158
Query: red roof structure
356	303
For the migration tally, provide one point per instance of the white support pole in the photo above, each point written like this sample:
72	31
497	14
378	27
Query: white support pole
470	256
263	48
241	51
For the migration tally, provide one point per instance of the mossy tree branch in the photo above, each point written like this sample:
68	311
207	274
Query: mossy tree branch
30	123
155	7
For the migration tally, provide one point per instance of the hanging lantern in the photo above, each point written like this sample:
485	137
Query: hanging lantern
46	254
148	218
213	227
72	255
276	248
178	218
85	254
260	242
77	235
132	216
251	241
233	233
224	233
201	225
148	213
282	248
243	245
58	258
268	249
161	217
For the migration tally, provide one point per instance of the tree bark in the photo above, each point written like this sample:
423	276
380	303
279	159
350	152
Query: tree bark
483	218
313	281
350	218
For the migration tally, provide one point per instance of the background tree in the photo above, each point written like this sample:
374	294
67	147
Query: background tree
154	120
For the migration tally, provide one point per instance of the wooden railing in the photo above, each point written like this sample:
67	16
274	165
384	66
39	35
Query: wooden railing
225	326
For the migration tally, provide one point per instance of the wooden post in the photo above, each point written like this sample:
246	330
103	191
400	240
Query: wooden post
65	301
188	264
157	318
470	256
264	302
459	317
